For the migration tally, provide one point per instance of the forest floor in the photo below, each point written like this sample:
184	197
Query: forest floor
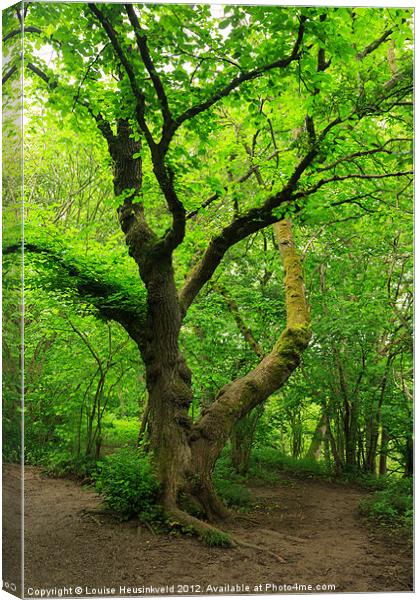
313	524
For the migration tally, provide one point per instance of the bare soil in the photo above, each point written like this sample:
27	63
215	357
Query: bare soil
314	525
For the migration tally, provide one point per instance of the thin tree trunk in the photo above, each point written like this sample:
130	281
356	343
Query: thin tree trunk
409	457
143	426
242	439
383	454
314	450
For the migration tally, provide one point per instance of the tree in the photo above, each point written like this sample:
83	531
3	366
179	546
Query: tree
327	98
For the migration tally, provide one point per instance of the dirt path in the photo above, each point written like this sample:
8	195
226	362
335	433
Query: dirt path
313	525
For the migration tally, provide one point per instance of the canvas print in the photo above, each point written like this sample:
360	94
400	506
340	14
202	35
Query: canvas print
207	299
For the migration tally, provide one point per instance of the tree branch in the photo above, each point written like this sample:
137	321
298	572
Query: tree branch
165	178
238	80
363	153
238	398
9	74
323	182
254	220
110	298
141	40
373	45
15	32
42	75
242	326
253	169
128	67
90	65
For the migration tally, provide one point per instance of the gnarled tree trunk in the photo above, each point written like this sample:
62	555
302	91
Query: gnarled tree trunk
185	453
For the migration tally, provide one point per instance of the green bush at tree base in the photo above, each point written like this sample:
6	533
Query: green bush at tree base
128	484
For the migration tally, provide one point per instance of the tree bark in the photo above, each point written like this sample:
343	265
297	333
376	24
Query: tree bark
409	457
238	398
168	381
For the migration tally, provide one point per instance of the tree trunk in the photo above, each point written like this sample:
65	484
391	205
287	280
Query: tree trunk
314	450
185	453
168	382
238	398
334	448
383	454
409	457
372	434
242	438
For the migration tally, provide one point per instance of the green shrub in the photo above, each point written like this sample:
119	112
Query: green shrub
233	494
128	484
216	539
225	470
229	484
392	506
120	432
60	463
366	480
267	462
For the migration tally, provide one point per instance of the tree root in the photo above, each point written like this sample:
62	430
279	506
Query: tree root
240	542
208	533
149	527
214	536
285	536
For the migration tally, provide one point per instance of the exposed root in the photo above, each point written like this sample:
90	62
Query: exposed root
149	527
240	542
285	536
212	506
214	536
208	533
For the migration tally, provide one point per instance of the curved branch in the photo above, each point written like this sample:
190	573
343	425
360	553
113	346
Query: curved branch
42	75
9	74
239	397
361	153
15	32
368	176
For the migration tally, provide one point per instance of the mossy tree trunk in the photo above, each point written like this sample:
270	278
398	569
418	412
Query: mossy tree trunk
238	398
242	436
185	453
